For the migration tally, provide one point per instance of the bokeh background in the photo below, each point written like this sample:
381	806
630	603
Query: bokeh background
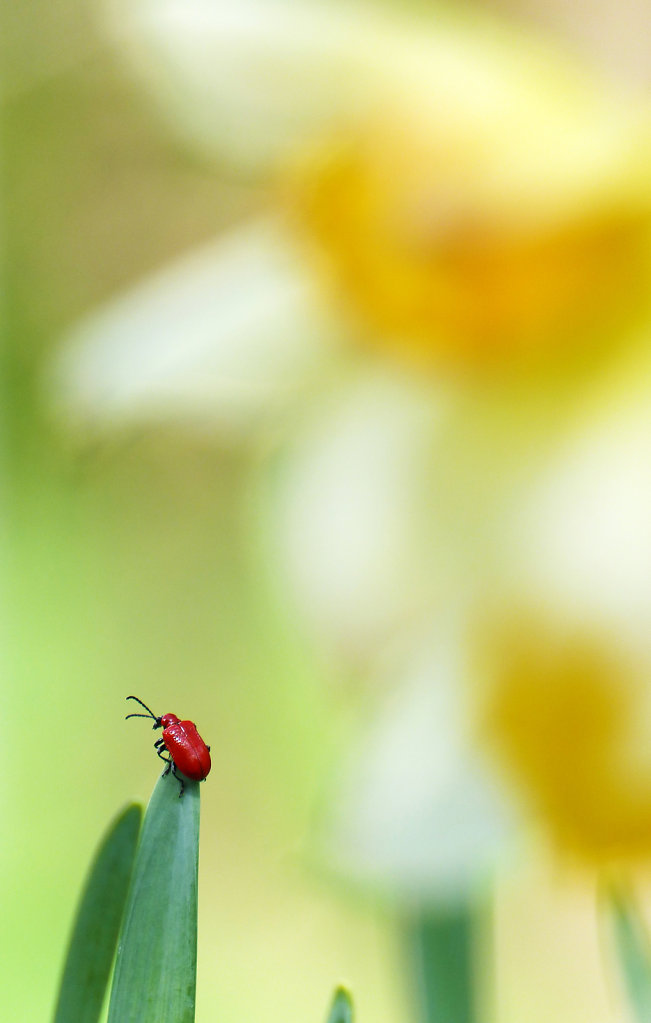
358	479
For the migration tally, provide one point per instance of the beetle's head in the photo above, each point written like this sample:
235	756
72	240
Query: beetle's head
166	721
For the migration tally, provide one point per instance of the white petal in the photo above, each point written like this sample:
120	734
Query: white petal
584	535
419	811
247	80
350	505
226	336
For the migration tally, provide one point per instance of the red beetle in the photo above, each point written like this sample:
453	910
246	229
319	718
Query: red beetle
187	750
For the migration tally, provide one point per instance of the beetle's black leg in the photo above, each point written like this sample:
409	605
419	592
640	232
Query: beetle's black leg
168	761
179	779
159	742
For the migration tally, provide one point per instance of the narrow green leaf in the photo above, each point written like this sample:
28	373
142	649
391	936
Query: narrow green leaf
633	949
156	967
341	1010
441	949
95	931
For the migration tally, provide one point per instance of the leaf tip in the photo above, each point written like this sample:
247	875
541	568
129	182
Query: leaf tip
341	1009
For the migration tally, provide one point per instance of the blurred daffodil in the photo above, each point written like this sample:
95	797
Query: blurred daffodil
459	242
569	700
505	244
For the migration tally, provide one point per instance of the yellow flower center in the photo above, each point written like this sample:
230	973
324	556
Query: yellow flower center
452	251
569	720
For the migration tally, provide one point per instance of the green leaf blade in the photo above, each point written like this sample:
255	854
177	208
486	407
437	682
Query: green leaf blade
341	1010
633	949
156	967
95	931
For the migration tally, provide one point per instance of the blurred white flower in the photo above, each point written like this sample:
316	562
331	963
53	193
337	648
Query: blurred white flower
565	649
467	242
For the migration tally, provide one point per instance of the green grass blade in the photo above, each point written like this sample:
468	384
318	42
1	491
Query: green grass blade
341	1010
156	967
633	949
95	931
441	948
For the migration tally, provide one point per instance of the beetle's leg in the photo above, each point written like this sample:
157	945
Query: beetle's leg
179	779
168	761
159	742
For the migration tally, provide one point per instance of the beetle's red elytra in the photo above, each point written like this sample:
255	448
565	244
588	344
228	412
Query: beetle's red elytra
181	741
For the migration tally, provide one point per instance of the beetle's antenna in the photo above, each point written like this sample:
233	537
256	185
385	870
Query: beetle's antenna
149	714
